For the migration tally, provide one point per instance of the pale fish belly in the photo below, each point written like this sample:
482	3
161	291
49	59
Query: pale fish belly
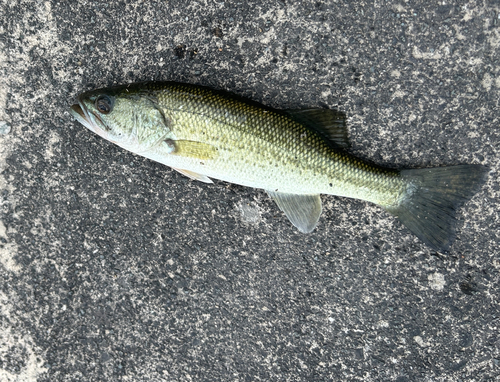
272	168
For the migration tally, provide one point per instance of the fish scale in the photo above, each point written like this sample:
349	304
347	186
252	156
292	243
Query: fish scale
295	155
269	145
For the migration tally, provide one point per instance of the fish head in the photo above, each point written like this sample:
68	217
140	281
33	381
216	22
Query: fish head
106	112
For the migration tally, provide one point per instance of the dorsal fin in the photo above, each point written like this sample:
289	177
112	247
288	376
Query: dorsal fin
330	124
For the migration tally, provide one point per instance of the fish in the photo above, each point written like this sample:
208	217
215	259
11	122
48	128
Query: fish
294	155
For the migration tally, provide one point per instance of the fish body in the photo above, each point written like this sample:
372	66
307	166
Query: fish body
295	155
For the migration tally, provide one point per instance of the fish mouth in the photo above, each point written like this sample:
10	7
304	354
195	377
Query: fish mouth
81	114
86	117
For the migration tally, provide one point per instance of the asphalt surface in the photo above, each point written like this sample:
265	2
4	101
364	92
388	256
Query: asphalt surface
115	268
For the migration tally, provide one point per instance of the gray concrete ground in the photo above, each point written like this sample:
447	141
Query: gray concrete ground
115	268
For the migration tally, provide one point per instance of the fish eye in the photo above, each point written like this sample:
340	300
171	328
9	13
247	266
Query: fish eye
103	104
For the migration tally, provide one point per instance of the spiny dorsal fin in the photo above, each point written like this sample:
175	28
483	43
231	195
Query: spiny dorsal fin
302	210
331	124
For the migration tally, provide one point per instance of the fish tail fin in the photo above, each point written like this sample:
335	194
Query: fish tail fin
432	198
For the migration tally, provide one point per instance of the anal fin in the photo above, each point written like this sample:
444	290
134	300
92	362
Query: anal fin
303	211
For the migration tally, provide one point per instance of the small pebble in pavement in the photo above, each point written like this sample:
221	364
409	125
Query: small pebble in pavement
4	128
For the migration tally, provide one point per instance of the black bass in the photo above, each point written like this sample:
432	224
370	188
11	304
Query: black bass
295	155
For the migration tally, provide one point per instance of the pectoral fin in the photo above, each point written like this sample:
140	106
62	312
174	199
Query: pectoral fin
193	149
194	175
302	210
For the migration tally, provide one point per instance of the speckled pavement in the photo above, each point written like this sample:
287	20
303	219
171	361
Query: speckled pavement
115	268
